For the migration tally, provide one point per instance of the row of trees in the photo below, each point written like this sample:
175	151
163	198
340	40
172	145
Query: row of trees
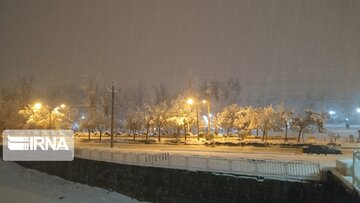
43	117
265	119
178	116
166	112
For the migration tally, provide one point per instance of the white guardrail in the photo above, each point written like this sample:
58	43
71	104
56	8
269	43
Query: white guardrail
296	170
356	171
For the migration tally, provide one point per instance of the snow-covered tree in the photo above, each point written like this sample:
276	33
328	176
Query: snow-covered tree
215	124
268	120
102	123
13	98
285	115
89	123
45	117
149	119
160	116
94	118
254	118
244	118
181	115
35	118
227	118
9	107
134	121
309	118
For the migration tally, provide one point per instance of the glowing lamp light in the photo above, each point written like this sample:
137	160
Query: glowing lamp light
37	105
62	106
358	110
332	112
190	101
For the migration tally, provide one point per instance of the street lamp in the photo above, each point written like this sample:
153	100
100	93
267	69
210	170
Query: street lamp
190	101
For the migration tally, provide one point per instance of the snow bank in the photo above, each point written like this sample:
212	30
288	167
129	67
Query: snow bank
21	185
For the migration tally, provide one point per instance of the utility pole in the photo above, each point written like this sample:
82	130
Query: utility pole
112	115
209	117
197	120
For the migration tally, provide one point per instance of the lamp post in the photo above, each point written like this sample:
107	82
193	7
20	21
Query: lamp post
192	102
208	114
112	115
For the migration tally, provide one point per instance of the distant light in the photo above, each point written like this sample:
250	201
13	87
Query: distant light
332	112
190	101
204	101
62	106
205	119
346	119
82	117
358	110
37	105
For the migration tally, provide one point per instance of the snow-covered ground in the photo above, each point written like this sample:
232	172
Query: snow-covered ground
274	137
20	185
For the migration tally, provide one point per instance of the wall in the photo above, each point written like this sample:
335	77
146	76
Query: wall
173	185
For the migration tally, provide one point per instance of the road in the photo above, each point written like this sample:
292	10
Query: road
274	152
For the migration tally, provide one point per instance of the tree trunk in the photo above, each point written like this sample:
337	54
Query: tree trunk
263	135
147	133
100	134
134	131
266	135
89	134
159	133
185	133
300	131
286	132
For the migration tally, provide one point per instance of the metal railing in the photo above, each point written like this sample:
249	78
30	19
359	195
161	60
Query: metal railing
356	171
297	170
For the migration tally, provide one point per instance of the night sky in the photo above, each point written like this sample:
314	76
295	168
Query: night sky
282	46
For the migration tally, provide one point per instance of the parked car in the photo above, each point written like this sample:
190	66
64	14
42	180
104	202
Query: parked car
321	149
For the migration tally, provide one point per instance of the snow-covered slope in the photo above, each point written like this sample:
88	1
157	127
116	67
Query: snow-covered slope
20	185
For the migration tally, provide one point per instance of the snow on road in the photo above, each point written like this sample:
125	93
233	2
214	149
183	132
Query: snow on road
20	185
